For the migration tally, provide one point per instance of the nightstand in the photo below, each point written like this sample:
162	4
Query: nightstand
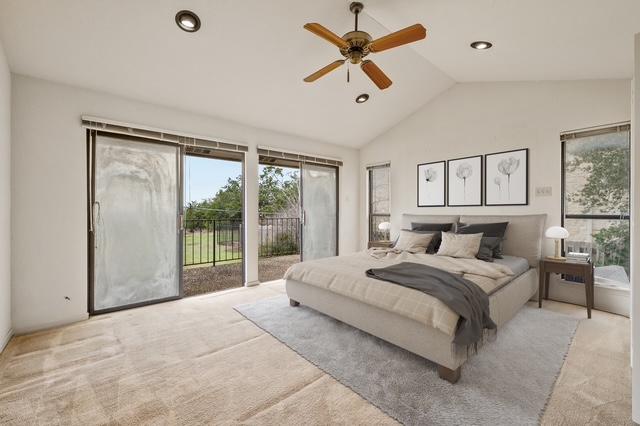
380	244
576	269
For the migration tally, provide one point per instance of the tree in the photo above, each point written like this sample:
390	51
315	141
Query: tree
606	189
227	204
277	196
607	184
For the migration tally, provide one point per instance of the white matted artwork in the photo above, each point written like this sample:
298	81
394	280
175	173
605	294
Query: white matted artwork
431	184
465	181
507	178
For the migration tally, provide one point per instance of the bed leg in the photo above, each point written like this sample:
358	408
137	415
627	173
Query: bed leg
451	376
293	303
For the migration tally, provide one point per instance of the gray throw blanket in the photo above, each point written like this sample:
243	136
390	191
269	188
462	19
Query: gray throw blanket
462	296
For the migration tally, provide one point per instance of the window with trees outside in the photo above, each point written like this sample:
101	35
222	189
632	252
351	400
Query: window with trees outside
596	200
379	202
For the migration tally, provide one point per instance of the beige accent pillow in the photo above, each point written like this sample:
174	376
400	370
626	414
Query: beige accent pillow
460	245
413	242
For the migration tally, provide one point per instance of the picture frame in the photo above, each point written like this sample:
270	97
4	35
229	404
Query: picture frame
507	178
432	184
464	181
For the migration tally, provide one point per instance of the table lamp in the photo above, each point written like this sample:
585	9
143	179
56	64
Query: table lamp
558	233
384	226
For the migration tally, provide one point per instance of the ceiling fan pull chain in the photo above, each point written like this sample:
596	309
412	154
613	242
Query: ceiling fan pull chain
347	72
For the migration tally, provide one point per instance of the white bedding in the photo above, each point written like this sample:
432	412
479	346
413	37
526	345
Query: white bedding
345	275
518	265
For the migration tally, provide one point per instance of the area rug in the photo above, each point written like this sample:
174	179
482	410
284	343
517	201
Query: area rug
507	383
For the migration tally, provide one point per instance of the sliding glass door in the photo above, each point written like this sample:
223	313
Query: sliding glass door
319	196
135	230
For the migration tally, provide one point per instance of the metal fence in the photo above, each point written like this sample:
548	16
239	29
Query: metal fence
212	241
599	257
279	236
216	240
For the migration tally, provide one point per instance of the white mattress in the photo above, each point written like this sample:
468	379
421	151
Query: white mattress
518	265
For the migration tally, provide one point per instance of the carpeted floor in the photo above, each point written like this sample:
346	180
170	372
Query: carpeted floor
507	383
197	361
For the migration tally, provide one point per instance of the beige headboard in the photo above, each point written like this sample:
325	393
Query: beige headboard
408	219
523	237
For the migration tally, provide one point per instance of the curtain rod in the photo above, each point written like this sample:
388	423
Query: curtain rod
179	138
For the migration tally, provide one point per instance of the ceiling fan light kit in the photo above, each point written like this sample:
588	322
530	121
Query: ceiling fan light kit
356	45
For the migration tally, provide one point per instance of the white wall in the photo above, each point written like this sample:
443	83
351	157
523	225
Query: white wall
49	197
480	118
635	238
5	201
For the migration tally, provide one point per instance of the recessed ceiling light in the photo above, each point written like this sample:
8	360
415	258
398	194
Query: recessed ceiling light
481	45
188	21
362	98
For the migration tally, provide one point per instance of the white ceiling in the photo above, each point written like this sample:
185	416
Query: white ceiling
247	62
533	39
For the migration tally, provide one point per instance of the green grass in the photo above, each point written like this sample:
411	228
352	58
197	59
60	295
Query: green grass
199	247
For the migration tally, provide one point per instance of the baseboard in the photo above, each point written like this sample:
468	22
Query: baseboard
5	340
251	283
615	301
49	325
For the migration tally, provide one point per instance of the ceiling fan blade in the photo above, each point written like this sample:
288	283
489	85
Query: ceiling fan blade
322	71
375	74
326	34
408	35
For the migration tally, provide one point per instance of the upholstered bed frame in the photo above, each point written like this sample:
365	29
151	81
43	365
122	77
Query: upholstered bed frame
523	238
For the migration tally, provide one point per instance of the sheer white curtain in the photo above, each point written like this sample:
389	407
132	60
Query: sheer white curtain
135	212
319	193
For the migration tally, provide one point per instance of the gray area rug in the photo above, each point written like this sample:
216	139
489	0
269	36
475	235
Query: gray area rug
507	383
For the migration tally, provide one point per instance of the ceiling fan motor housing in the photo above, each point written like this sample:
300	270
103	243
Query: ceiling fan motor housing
358	46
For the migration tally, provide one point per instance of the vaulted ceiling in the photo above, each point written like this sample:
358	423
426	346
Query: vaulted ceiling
247	62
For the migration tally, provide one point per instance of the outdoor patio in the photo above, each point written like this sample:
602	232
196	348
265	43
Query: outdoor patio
203	279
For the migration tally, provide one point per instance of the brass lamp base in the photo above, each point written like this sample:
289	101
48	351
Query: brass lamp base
556	255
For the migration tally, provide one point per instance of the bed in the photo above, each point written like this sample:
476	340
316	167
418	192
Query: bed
408	318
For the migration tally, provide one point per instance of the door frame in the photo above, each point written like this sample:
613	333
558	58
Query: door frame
91	158
242	160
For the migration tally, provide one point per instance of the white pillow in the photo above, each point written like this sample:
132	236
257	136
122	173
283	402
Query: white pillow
460	245
413	242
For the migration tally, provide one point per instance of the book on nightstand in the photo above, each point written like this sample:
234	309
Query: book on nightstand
578	257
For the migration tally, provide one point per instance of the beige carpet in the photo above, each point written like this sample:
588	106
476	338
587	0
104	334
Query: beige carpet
594	387
197	361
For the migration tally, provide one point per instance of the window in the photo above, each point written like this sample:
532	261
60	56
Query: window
596	199
379	202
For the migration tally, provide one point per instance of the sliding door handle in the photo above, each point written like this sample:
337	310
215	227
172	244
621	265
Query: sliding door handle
95	215
95	219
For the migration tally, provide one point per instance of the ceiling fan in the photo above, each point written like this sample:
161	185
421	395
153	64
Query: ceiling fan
356	45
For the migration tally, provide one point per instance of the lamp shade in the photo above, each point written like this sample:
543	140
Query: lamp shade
384	226
557	232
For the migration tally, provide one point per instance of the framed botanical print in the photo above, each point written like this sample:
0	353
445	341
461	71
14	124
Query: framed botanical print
432	184
465	181
507	178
